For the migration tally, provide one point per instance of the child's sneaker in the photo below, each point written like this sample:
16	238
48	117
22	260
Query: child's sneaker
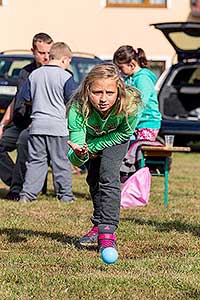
106	240
90	238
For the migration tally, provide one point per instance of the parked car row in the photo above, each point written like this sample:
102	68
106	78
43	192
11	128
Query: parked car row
12	63
178	88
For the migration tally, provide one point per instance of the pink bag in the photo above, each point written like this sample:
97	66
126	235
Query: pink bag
136	190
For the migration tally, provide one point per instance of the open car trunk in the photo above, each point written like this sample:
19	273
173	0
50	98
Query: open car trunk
180	96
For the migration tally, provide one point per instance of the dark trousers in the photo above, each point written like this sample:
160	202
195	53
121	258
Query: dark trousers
8	144
104	183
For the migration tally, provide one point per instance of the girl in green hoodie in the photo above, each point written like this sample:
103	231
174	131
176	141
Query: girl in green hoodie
102	117
133	64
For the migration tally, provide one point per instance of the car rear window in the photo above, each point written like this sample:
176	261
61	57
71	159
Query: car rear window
81	66
10	68
187	76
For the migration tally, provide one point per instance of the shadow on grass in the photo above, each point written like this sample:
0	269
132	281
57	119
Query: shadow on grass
20	235
49	193
85	196
167	226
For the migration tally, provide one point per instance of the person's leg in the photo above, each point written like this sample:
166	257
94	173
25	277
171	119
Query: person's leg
104	184
20	165
61	167
93	182
37	168
143	135
110	191
109	184
7	144
90	238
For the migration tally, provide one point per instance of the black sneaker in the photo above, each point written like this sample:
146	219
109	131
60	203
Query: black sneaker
12	196
90	238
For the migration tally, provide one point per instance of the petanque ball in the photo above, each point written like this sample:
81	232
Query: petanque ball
109	255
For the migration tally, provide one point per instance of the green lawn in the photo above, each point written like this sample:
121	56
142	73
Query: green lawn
158	247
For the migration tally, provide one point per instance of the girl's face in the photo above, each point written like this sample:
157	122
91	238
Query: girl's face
103	95
128	68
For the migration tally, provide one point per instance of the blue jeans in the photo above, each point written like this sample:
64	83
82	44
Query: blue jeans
104	184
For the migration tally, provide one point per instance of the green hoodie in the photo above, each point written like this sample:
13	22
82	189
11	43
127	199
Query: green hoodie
98	133
149	116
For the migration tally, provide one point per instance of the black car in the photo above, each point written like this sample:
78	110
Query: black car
11	64
179	87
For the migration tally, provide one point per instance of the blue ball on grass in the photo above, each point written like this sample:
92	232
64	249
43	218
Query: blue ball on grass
109	255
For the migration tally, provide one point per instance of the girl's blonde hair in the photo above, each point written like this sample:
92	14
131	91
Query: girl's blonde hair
128	97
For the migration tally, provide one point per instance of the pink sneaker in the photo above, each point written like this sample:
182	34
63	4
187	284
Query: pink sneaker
106	240
89	238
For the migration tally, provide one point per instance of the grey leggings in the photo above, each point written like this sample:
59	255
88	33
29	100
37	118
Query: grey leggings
104	183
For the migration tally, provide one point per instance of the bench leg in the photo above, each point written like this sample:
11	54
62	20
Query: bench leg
142	162
166	181
166	177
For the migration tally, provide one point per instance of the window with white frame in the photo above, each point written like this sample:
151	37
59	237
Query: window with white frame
136	3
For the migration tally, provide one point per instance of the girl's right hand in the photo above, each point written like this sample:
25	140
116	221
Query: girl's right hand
80	151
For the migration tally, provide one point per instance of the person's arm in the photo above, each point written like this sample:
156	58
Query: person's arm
7	118
118	136
80	151
23	75
24	94
69	88
77	135
146	87
20	112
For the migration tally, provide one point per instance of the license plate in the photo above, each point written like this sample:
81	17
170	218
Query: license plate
8	90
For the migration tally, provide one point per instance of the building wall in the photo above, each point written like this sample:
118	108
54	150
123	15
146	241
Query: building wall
87	25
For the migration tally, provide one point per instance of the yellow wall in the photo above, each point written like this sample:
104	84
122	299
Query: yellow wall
86	25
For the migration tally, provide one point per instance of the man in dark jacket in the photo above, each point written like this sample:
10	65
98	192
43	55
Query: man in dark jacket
16	136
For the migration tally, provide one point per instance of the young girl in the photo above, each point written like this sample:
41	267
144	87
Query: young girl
102	117
133	64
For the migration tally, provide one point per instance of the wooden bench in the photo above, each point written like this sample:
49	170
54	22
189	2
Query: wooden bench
156	155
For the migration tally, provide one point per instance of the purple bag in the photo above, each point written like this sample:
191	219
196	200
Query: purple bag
135	191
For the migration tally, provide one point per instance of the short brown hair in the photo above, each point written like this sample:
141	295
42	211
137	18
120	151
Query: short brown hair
58	50
41	38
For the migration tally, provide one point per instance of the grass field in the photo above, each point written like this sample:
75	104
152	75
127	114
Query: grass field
158	247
